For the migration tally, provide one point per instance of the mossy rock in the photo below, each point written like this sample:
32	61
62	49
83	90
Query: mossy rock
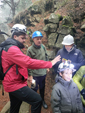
54	18
2	38
81	43
64	30
67	21
50	27
52	39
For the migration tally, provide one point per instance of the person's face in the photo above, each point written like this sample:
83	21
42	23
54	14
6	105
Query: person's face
68	47
20	38
67	74
37	41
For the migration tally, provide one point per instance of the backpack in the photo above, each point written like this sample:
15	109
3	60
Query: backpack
1	69
2	74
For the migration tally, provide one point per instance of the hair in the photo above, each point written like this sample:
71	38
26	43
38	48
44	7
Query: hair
62	72
18	34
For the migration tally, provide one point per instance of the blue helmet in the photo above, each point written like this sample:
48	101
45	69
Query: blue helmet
37	34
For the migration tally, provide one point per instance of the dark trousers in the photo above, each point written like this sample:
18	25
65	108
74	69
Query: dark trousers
25	94
40	82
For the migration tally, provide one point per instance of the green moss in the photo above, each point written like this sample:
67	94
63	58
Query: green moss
67	26
58	14
67	21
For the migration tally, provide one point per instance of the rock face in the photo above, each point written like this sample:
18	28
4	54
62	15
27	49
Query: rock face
56	28
2	38
42	16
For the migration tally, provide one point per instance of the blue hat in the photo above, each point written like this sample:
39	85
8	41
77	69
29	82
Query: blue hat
37	34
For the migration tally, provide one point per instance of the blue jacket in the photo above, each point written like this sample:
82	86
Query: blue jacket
75	55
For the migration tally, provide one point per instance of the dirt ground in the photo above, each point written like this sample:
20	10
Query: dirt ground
49	83
3	99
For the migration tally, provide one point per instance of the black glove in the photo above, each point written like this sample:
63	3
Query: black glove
83	93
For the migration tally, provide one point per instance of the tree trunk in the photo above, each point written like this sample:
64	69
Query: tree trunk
13	7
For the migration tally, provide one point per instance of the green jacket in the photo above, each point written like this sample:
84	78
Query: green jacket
79	79
37	53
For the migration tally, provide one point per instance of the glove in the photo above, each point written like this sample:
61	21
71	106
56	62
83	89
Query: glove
83	93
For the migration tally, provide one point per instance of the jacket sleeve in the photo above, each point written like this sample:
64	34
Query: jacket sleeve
15	55
77	78
55	101
80	60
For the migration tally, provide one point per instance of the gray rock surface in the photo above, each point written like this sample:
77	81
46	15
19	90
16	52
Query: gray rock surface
23	109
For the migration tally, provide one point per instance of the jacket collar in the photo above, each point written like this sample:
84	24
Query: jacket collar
72	49
62	81
11	41
35	46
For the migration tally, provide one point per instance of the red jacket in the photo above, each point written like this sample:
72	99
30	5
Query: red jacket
13	56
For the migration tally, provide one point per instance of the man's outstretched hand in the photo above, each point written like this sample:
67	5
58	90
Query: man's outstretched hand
55	60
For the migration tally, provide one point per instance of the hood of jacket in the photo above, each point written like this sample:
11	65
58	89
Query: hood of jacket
62	81
11	41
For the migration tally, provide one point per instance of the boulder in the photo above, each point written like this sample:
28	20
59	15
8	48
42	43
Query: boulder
83	27
59	41
35	9
52	39
51	54
54	18
67	21
2	38
63	29
50	28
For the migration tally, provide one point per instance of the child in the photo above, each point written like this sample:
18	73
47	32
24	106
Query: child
65	96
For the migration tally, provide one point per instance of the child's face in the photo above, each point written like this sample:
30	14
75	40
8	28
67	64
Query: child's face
67	74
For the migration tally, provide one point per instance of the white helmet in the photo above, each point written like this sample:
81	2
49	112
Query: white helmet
19	28
68	40
66	65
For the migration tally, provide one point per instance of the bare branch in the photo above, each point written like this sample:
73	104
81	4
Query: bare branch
16	3
8	2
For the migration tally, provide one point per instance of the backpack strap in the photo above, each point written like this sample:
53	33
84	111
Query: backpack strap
2	90
6	49
45	52
8	69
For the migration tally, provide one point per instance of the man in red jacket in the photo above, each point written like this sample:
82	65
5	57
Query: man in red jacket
15	80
